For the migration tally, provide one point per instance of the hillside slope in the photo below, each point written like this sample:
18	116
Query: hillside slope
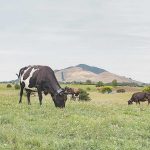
84	72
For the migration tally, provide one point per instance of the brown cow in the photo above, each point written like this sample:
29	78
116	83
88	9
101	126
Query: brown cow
73	92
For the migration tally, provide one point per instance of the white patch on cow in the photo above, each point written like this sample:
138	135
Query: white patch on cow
27	81
76	97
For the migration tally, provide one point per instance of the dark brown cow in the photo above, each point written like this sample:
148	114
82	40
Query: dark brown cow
73	92
139	97
41	79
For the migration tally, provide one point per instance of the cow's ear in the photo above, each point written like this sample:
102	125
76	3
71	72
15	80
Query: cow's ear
66	89
65	92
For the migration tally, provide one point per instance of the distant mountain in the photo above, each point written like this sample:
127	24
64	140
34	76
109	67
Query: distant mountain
91	68
83	72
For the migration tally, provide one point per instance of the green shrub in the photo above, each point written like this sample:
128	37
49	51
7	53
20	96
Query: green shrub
146	89
9	85
121	91
99	84
114	83
88	82
84	96
106	89
17	86
88	88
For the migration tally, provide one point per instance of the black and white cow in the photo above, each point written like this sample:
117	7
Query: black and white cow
41	79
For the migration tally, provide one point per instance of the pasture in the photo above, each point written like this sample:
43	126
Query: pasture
104	123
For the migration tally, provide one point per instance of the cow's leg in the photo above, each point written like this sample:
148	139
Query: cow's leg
40	95
139	102
74	97
28	96
77	97
21	92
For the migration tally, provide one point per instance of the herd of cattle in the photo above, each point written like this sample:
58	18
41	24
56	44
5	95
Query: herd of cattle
42	79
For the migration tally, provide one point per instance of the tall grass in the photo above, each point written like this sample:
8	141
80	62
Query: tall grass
106	122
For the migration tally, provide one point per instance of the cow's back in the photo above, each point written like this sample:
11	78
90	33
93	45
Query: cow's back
44	73
139	96
32	76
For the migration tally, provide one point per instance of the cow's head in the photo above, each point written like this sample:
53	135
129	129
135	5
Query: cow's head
68	90
60	98
130	102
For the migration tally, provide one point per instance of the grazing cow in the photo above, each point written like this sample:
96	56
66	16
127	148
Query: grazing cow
139	97
73	92
41	79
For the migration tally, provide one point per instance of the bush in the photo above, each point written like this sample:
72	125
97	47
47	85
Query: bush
99	84
9	85
84	96
147	89
106	89
88	82
17	86
114	83
121	91
88	88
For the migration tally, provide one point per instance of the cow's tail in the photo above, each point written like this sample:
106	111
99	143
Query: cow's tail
17	75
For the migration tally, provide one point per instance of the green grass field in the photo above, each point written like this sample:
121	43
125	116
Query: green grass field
104	123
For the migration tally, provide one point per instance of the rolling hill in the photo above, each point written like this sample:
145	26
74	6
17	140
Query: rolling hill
83	72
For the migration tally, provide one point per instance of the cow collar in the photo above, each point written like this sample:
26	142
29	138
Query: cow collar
59	91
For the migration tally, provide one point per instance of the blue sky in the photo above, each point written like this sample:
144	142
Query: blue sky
111	34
